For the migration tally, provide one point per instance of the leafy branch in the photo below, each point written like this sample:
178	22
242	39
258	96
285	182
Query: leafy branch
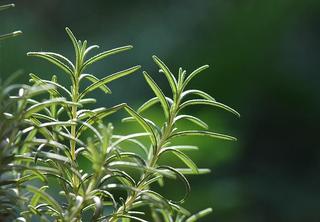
161	136
53	139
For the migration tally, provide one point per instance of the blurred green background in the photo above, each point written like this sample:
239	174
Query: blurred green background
264	58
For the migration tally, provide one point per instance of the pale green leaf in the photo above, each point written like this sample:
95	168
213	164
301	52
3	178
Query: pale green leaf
199	215
47	198
171	79
193	119
108	79
40	106
203	133
94	79
208	102
182	157
7	6
181	177
143	123
53	60
9	35
152	102
104	55
183	147
197	92
75	43
193	74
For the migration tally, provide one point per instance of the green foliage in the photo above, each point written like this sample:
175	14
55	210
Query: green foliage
51	131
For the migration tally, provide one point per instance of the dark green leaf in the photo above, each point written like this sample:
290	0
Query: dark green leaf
162	98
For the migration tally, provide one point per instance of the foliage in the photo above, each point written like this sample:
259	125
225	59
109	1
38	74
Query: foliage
55	131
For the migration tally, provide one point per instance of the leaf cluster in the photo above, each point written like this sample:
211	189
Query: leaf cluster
52	133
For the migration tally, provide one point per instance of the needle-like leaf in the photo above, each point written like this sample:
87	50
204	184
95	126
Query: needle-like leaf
193	74
182	157
104	55
171	79
203	133
162	98
143	123
208	102
108	79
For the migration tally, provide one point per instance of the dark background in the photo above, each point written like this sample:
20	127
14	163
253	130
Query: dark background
264	57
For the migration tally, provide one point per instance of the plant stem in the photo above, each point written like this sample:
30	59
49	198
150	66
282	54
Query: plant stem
152	163
75	97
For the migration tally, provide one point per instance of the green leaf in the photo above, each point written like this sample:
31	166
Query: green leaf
181	77
129	155
75	43
182	157
148	104
197	92
7	6
136	142
155	197
61	57
150	122
203	133
120	175
151	181
94	79
106	194
105	55
109	79
171	79
38	124
183	147
127	137
38	81
12	34
53	156
193	74
159	94
98	208
143	123
207	102
186	171
89	49
40	106
182	178
53	60
46	197
35	199
99	115
87	101
199	215
152	102
132	217
193	119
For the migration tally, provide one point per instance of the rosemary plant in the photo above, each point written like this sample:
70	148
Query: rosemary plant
9	126
68	166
